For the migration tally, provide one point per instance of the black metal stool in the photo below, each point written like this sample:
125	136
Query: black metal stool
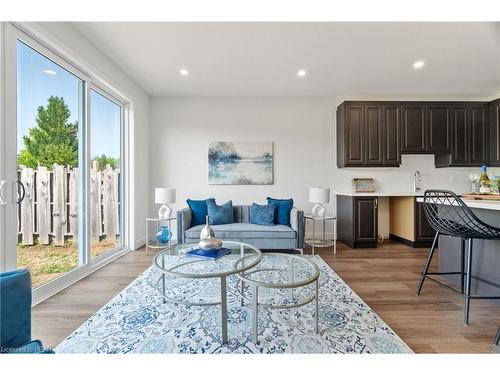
497	337
449	215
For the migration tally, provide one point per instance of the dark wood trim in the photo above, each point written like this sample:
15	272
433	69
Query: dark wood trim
414	244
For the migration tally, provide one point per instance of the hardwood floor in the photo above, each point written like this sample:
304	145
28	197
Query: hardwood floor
385	278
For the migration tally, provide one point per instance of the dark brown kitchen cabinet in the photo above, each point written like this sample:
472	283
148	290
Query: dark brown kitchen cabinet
468	136
495	133
351	135
392	135
437	128
373	135
478	135
357	220
413	128
423	230
368	134
425	128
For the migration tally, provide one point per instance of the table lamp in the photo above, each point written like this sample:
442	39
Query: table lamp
164	196
319	195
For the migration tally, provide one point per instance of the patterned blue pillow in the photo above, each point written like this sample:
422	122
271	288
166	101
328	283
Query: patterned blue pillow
220	214
283	210
198	210
263	214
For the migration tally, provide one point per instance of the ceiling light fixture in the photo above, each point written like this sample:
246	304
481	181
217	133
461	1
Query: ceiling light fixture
301	73
418	64
49	72
183	72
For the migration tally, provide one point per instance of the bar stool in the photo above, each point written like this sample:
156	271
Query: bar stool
449	215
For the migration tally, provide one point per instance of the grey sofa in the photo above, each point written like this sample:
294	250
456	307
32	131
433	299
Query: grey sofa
275	237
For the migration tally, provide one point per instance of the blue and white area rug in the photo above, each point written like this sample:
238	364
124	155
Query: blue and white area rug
137	321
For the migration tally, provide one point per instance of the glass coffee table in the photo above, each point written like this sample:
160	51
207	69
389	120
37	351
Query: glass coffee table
174	263
290	281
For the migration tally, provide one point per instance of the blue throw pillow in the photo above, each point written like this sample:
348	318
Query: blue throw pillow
198	210
263	215
284	206
218	215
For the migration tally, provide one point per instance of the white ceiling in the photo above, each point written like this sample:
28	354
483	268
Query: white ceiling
342	59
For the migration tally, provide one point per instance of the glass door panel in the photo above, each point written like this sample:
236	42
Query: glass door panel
49	117
105	173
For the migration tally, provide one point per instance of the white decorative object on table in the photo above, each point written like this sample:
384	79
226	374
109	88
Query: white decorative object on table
164	196
319	195
207	238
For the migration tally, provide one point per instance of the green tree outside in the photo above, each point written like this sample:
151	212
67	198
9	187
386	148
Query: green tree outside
104	160
53	140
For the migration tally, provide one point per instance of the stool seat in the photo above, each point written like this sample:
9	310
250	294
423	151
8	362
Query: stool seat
447	214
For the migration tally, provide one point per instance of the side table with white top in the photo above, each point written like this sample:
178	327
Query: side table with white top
322	241
153	243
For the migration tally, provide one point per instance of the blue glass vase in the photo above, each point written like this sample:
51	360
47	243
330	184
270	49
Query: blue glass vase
163	235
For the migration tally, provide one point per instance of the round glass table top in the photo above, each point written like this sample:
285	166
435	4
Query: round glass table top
278	270
176	261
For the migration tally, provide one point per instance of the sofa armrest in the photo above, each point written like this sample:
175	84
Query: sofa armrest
183	224
298	225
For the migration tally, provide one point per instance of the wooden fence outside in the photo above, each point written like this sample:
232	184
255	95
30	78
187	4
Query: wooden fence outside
49	210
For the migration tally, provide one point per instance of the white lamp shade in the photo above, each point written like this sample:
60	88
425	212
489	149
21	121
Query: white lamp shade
319	195
165	195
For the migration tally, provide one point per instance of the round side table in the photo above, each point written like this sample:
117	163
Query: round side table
323	241
153	243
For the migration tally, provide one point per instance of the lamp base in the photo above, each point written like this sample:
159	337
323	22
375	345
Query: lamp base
318	210
164	212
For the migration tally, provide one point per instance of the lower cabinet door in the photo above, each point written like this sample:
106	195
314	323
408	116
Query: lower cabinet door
365	219
423	230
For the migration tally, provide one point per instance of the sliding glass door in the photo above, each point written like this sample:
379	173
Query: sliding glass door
48	139
62	162
105	176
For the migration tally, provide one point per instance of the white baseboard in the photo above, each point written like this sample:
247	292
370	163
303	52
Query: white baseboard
140	243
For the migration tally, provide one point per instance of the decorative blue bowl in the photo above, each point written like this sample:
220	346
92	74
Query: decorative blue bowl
164	235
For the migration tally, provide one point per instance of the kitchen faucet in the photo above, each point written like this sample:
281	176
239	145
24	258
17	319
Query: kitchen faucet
417	177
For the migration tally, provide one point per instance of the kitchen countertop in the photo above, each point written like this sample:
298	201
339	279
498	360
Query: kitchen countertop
485	205
382	194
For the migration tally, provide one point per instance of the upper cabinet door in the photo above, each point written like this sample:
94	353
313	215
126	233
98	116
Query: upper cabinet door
478	134
438	128
495	134
374	135
459	147
413	128
354	135
392	135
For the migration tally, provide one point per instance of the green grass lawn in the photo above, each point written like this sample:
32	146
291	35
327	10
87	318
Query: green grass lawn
47	262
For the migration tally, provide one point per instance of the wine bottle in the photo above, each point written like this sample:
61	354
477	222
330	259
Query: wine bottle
484	181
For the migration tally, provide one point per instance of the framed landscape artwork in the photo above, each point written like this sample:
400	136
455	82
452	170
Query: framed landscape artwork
240	163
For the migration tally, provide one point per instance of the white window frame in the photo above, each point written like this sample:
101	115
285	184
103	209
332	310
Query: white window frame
27	34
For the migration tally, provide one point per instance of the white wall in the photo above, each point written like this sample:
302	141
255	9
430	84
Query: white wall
83	52
303	132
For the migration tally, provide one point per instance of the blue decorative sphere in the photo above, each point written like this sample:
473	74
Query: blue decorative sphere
163	235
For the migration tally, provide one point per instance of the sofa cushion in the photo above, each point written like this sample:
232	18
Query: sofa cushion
244	230
283	210
199	210
263	214
220	214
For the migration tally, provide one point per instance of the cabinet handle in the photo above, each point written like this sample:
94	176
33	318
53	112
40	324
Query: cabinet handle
376	202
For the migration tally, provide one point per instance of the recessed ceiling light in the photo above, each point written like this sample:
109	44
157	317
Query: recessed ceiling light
49	72
418	64
184	72
301	73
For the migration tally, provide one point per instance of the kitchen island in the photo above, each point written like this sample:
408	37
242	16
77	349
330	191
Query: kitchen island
486	260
